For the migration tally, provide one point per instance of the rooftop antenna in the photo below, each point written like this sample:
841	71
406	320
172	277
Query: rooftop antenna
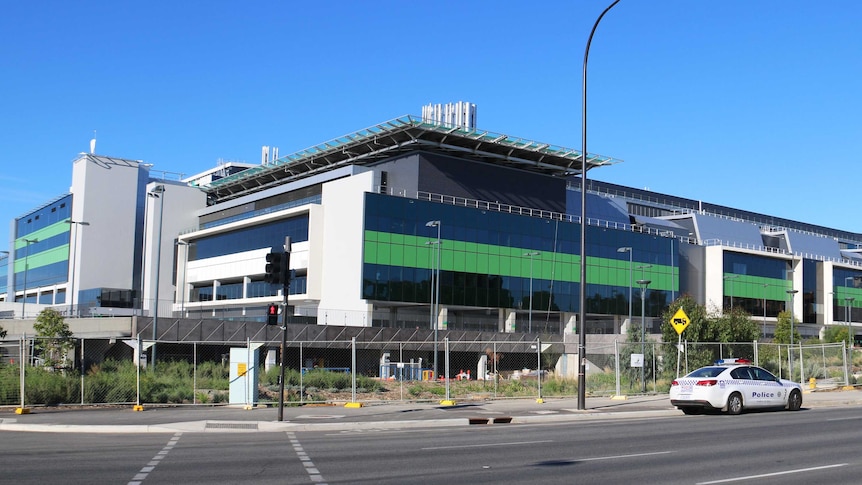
93	144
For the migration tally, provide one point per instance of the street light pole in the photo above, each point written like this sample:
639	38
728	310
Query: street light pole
643	284
73	244
435	296
763	332
26	257
672	236
582	299
628	249
185	270
530	311
848	301
157	192
731	278
792	293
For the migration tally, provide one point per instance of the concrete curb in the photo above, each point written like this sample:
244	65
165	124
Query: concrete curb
231	426
278	427
503	416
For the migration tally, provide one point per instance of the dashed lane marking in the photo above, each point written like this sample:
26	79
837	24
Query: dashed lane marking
145	471
313	473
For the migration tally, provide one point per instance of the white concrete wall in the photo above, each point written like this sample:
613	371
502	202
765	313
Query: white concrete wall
315	252
341	269
106	196
179	209
714	278
242	264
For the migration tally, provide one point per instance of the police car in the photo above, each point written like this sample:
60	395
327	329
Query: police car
732	385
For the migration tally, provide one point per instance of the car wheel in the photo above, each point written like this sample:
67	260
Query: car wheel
794	401
691	410
734	404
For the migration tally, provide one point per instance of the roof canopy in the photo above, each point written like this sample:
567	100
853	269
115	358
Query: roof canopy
402	135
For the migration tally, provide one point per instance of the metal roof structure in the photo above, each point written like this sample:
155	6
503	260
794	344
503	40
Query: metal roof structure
401	135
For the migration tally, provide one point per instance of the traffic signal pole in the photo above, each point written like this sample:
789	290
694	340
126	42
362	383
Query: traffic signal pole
285	279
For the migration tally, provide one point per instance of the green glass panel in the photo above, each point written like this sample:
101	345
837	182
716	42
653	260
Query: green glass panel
396	255
471	262
493	265
44	233
370	252
505	265
410	258
482	264
43	258
459	261
383	253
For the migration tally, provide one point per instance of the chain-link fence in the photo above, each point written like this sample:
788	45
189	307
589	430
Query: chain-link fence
100	371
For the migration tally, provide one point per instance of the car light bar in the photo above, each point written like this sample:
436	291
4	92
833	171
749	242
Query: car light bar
732	361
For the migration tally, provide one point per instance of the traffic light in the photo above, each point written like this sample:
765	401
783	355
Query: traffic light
272	314
276	271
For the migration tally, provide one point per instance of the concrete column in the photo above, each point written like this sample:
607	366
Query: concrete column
571	320
443	319
511	320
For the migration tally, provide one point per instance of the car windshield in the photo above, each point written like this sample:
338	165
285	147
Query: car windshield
707	372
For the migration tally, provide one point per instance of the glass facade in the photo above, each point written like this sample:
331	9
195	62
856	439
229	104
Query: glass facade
58	211
847	294
757	284
233	290
106	298
485	262
271	235
45	259
260	208
4	270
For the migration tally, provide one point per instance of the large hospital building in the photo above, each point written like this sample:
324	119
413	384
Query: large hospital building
408	224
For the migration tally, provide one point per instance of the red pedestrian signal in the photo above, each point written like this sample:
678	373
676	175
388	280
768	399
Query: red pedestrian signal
272	315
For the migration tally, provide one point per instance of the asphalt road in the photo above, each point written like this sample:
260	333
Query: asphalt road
815	445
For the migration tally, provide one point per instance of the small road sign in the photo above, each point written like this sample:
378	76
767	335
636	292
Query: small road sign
679	321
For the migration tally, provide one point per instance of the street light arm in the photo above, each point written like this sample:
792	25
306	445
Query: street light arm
582	299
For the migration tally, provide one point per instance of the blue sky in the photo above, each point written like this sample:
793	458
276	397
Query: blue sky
749	104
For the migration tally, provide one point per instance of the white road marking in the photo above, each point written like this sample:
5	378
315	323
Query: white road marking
145	471
765	475
617	457
313	473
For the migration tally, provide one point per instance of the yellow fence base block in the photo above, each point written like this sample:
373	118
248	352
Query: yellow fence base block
540	401
22	410
137	407
353	405
447	402
848	388
619	398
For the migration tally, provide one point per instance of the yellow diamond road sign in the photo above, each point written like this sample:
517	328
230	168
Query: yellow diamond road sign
679	321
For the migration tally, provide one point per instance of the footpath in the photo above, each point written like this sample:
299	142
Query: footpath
389	415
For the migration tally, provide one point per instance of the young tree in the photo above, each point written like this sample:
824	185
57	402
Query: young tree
782	330
736	325
836	333
54	339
